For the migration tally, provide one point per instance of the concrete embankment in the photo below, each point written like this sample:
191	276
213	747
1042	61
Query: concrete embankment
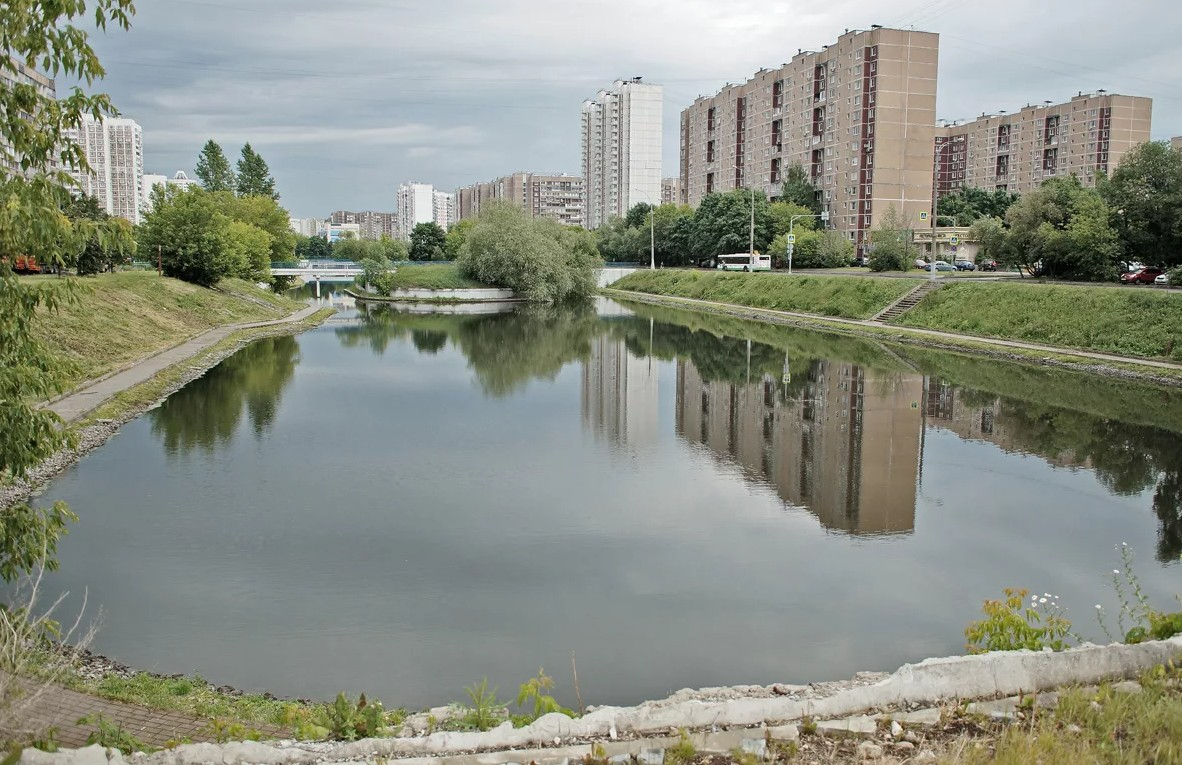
717	719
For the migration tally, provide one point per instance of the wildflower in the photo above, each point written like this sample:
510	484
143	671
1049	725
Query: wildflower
1042	600
1116	570
1099	607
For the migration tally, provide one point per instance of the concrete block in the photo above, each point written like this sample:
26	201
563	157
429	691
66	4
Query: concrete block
790	732
651	757
859	726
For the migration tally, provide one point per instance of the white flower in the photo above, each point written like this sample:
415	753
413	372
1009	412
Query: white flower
1099	607
1047	595
1116	570
1124	544
1042	600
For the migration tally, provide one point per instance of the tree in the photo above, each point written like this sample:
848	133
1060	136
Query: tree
799	190
105	241
393	250
427	242
782	214
1045	237
312	248
1145	192
213	169
968	204
456	235
33	191
264	213
617	243
893	243
990	236
722	223
254	177
673	234
539	259
637	216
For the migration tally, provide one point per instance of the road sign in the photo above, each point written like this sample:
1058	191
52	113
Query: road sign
923	215
792	239
952	248
954	239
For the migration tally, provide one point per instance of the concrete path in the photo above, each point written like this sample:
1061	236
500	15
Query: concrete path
932	333
86	399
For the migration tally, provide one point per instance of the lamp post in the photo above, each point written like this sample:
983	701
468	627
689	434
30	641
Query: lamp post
824	216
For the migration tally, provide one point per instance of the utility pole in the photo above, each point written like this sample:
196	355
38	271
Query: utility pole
159	262
752	250
652	238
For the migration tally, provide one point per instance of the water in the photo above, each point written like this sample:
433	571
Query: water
403	505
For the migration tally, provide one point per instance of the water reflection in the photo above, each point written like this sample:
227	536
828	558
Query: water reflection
206	414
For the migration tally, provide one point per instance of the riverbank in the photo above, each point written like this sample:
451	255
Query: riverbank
121	318
434	277
1121	367
103	421
1124	322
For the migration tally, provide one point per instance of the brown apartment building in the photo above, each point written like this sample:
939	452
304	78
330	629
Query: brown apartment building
1018	151
859	115
558	197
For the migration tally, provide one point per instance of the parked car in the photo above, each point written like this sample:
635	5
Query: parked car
965	265
1162	279
921	263
1141	276
987	265
941	265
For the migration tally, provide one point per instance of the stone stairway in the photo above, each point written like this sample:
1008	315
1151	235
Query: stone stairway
907	302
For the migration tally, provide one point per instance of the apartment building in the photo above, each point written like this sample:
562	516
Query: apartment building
114	149
371	225
1176	143
621	148
859	115
559	197
23	75
1017	152
306	226
670	191
421	203
179	180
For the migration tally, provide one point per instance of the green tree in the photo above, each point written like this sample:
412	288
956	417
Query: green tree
184	228
33	191
1045	237
213	169
893	243
799	190
264	213
968	204
1145	191
539	259
990	236
393	250
674	230
456	235
722	223
427	242
313	248
105	241
356	250
782	214
637	216
618	243
254	177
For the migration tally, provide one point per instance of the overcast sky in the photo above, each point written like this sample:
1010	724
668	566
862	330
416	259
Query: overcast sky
346	100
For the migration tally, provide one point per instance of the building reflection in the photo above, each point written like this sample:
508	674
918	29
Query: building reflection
845	444
620	394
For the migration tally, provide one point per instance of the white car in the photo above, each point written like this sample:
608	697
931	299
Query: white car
1162	279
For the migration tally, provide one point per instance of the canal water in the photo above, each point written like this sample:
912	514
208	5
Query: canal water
405	504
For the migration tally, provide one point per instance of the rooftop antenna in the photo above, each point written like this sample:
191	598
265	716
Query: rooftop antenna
1101	91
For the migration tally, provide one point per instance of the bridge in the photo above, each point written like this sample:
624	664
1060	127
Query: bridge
318	270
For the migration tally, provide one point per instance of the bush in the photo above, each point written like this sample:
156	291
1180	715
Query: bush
541	260
1011	624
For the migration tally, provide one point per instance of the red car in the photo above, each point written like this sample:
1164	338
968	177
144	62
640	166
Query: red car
1141	276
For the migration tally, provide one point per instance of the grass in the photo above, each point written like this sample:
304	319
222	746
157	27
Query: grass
822	295
1130	321
122	317
442	277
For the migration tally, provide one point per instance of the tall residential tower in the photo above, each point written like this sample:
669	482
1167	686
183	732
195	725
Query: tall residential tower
114	149
621	142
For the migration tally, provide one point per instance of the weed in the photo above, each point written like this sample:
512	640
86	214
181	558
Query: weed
173	743
111	735
535	693
597	756
784	750
47	742
740	757
486	712
808	726
222	730
1012	624
345	720
681	753
1144	622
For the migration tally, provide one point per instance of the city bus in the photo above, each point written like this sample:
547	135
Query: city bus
744	261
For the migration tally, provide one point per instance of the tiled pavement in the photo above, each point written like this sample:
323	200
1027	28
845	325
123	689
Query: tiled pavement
62	708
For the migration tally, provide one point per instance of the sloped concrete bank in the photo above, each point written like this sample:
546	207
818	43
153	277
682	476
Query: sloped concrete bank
722	724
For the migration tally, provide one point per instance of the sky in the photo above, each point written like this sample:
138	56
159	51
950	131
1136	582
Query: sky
347	100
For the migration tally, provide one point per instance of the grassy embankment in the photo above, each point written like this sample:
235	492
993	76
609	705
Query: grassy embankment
120	318
844	297
1126	321
426	277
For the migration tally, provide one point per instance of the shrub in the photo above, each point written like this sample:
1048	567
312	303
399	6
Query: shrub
1011	624
539	259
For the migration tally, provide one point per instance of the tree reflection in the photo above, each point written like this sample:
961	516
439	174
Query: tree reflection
205	414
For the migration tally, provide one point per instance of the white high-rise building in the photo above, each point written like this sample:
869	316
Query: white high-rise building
444	209
45	87
621	141
114	149
150	181
416	204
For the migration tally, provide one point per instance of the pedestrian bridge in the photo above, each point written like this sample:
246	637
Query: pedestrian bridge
318	270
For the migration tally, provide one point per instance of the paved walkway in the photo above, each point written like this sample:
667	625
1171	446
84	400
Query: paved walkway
85	400
932	333
42	708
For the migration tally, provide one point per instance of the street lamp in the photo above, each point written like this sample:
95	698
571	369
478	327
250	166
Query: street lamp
824	216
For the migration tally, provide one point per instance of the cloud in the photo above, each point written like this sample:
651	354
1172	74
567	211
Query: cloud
349	100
